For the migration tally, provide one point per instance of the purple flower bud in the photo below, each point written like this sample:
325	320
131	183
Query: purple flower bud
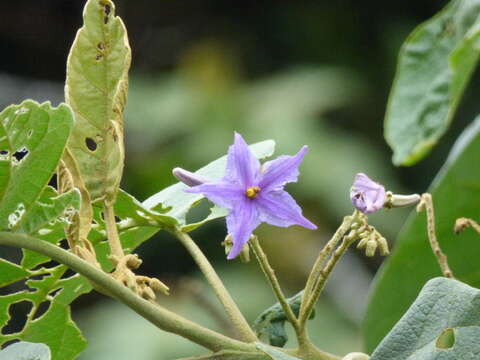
367	195
188	178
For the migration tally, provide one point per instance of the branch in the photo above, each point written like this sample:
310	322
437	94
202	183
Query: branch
160	317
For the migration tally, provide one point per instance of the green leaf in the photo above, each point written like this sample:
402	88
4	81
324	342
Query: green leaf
442	324
271	322
412	262
434	66
56	329
24	350
273	353
179	202
39	134
96	89
50	208
9	273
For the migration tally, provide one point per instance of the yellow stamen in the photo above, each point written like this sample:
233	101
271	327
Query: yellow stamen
252	192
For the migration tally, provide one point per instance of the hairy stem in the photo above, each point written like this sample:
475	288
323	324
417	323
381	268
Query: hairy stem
316	272
112	232
270	275
231	308
160	317
426	204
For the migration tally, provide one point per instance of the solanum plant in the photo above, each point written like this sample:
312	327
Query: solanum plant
80	145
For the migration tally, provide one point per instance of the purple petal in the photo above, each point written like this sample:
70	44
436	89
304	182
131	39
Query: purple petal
278	208
242	166
367	195
241	221
189	178
222	193
282	170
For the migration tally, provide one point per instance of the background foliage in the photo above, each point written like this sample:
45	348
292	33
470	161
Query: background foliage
316	73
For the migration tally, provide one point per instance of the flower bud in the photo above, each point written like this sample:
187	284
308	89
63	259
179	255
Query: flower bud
188	178
367	195
371	247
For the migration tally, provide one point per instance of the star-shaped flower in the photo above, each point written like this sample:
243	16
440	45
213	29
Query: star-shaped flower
367	195
253	193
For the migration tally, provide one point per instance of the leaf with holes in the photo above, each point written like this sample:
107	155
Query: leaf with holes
442	324
32	140
55	327
96	89
435	64
24	350
179	203
412	262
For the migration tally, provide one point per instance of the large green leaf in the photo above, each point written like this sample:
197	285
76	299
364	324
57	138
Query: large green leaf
96	89
434	66
455	192
26	351
442	324
32	140
179	202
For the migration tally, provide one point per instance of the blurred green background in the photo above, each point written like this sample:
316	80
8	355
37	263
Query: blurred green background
299	72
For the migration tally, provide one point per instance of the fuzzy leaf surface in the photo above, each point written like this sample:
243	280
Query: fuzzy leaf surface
444	306
24	350
434	66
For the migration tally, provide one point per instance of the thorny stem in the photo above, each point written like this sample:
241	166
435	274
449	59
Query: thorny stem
112	232
270	274
316	272
426	204
160	317
231	308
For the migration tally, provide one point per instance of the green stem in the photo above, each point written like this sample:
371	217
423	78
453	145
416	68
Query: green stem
323	275
426	204
112	232
162	318
231	308
315	273
270	275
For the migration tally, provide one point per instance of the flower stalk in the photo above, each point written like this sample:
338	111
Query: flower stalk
426	204
272	278
233	312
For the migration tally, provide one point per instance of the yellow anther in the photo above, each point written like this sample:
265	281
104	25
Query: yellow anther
252	192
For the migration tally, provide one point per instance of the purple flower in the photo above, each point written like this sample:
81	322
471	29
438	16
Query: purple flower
254	194
367	195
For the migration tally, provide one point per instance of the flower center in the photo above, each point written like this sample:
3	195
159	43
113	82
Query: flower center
252	192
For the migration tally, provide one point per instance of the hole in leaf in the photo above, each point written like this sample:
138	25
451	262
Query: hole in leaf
98	57
20	154
42	309
91	144
3	152
18	317
68	273
101	45
446	340
54	292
